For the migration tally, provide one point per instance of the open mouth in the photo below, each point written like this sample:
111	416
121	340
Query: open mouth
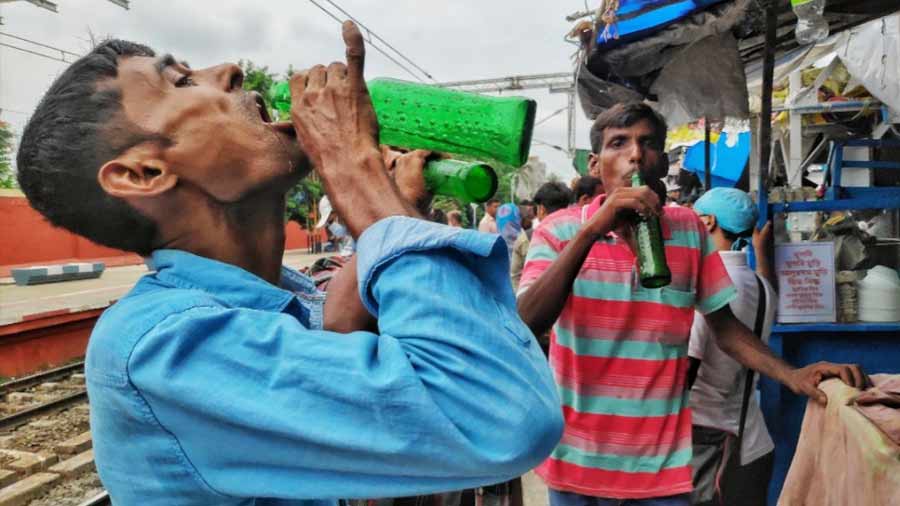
261	107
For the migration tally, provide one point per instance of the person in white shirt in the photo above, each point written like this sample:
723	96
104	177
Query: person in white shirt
488	224
721	474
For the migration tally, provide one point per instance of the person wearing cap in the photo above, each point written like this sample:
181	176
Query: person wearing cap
719	382
338	235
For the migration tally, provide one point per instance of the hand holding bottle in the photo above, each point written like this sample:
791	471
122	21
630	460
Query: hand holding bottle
331	109
620	208
337	128
406	169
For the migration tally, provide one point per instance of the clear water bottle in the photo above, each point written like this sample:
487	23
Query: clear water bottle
811	25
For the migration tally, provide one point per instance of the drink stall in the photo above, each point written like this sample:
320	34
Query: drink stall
819	83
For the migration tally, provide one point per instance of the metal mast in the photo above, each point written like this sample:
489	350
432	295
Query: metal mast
560	82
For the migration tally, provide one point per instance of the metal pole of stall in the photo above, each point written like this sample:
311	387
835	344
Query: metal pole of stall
765	114
706	162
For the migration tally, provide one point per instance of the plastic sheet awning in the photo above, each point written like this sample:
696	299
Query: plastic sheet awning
640	18
728	158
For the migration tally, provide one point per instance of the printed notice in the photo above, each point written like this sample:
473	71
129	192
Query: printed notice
805	273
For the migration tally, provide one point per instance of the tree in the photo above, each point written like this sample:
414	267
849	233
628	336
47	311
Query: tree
256	78
7	177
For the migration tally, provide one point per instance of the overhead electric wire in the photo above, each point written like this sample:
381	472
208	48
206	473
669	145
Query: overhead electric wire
373	34
549	145
555	113
371	44
23	39
54	58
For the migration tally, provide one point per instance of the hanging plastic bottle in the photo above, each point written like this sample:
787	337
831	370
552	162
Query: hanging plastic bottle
811	25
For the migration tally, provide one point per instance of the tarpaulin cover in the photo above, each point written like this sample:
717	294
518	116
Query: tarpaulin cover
668	62
727	159
639	18
870	52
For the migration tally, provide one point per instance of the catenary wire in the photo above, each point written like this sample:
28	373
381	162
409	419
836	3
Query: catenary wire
373	34
372	45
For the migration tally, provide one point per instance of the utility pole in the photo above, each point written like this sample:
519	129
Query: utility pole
560	82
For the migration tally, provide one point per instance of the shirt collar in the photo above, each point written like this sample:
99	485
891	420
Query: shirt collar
229	283
595	204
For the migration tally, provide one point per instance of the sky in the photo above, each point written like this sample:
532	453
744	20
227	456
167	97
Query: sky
452	40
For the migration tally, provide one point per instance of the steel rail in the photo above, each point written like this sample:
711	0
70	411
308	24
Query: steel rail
101	499
21	417
41	377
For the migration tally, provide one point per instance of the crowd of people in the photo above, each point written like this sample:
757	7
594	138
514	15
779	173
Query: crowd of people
225	378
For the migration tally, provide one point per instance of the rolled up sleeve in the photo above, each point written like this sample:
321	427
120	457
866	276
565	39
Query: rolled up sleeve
453	393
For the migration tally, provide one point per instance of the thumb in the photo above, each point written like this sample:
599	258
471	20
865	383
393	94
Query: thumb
820	397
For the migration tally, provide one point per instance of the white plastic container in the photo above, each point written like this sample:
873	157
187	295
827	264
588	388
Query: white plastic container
879	295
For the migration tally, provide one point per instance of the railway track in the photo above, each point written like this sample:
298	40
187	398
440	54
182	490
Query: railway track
29	412
101	499
41	377
24	416
48	461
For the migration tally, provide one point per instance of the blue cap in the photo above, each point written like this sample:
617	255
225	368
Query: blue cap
734	209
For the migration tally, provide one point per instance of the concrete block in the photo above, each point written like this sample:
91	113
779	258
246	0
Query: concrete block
27	463
23	491
49	386
19	398
53	273
7	477
75	466
81	408
42	424
77	378
75	444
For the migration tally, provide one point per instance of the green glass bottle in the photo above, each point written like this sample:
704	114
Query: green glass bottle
422	116
466	181
651	251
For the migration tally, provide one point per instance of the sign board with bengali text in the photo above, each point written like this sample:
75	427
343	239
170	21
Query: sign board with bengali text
806	286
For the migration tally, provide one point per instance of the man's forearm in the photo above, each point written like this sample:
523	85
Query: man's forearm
344	311
544	300
362	201
735	339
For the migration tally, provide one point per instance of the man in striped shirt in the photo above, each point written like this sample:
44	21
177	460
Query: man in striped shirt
618	350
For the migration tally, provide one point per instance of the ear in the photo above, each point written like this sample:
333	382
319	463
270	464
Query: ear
134	178
711	224
593	165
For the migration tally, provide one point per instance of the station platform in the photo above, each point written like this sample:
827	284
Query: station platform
22	303
49	324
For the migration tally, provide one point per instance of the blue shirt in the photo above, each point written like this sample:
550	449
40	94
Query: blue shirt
210	386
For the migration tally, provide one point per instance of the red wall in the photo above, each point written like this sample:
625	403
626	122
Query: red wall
26	238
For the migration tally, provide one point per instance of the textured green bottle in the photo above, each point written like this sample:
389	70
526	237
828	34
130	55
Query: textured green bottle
651	251
421	116
466	181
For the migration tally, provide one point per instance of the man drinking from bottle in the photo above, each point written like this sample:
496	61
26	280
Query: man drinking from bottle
213	381
618	349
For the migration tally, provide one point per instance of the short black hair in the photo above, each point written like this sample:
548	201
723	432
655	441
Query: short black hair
553	196
493	200
623	115
76	128
586	186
